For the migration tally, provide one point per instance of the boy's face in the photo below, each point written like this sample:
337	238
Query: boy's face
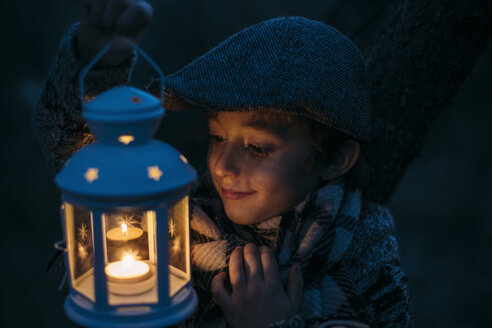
256	167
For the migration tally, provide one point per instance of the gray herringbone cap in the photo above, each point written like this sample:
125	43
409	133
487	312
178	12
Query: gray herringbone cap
288	65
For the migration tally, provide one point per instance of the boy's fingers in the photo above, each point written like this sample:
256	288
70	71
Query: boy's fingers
113	11
236	271
135	19
97	9
270	268
121	49
252	264
119	22
294	289
219	291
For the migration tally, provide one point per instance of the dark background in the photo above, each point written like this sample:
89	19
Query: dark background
441	208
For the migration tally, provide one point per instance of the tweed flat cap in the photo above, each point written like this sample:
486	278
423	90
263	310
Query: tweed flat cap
288	65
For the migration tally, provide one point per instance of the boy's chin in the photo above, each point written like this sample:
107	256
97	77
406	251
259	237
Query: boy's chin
242	219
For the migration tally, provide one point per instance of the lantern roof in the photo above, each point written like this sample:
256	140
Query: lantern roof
122	103
125	162
123	111
107	171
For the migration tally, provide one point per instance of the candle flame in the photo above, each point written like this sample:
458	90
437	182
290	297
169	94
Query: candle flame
124	228
128	261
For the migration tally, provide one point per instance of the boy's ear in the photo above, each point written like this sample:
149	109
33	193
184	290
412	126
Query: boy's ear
343	161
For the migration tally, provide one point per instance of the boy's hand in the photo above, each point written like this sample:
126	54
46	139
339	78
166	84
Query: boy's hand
258	297
118	22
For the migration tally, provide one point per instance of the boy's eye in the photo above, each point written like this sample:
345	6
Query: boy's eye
216	138
258	151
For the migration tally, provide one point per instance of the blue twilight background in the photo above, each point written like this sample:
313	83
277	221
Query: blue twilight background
441	208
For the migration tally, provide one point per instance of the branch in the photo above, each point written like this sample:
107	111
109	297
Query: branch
417	66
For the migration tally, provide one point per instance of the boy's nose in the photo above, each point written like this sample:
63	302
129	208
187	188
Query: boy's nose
227	162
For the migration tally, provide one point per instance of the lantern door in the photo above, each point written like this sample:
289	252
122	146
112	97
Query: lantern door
178	246
130	256
126	242
80	246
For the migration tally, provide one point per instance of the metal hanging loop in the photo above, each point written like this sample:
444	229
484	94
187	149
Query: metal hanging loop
101	53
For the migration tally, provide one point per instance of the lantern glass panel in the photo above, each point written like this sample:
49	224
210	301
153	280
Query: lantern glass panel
179	246
78	221
130	256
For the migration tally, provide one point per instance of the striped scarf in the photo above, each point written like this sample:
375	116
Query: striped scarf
316	234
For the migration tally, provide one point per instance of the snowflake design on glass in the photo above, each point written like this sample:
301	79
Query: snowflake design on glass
129	220
83	232
172	229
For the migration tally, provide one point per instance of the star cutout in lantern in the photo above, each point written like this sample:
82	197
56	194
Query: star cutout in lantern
91	174
153	172
183	158
125	139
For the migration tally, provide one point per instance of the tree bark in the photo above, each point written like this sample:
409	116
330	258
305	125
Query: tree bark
423	56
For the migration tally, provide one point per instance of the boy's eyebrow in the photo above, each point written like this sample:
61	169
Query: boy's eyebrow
266	126
257	124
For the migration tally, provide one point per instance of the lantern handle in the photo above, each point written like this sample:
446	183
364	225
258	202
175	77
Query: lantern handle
101	53
60	245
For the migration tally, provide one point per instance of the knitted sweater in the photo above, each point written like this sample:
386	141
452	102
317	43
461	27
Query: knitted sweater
368	263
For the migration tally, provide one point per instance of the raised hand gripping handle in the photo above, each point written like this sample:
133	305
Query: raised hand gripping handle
101	53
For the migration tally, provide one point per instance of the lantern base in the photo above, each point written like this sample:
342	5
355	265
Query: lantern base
139	316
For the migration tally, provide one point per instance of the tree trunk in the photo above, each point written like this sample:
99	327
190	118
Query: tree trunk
423	56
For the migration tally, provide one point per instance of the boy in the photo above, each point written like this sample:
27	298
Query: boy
279	210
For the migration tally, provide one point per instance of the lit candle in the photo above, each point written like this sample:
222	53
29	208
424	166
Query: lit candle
127	270
129	276
124	233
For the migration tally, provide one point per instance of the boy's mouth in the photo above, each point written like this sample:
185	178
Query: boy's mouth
235	195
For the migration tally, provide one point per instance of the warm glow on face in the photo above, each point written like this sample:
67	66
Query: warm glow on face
256	166
91	174
153	172
126	139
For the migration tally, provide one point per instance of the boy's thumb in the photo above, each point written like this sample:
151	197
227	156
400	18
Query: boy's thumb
294	289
